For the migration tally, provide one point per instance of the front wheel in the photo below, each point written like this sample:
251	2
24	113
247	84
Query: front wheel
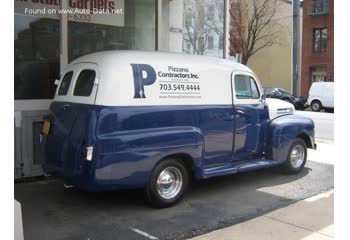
297	155
167	184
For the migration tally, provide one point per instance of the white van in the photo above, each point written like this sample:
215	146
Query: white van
321	96
151	120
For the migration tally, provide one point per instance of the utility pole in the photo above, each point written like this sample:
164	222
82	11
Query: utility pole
296	48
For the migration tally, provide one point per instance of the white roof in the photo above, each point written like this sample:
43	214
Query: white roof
117	87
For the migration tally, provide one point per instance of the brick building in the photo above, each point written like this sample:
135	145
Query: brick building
317	43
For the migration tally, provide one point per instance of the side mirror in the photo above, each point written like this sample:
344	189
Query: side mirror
263	99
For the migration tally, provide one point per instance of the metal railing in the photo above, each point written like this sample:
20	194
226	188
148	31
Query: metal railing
318	7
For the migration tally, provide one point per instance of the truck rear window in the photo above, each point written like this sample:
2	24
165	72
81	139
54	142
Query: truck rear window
65	84
85	83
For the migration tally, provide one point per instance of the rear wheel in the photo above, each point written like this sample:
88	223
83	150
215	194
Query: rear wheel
297	155
167	184
316	106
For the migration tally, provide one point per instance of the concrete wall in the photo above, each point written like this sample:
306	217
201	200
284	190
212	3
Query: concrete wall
273	64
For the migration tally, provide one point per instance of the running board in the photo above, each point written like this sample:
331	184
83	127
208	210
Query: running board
239	167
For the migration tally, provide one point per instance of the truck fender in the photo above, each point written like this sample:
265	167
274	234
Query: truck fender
283	130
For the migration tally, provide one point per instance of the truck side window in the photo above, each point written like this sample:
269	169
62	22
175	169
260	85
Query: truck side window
246	88
85	83
65	84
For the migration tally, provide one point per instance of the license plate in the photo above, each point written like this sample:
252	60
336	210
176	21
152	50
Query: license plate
46	127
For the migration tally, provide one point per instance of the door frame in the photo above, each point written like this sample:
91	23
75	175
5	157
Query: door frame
236	101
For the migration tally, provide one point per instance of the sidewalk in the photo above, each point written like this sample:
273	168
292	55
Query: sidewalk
310	219
324	153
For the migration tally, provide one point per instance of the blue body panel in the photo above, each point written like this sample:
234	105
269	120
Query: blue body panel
129	141
250	132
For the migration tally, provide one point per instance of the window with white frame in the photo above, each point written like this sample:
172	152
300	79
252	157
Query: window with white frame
199	23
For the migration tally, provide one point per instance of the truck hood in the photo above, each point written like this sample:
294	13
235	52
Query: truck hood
279	108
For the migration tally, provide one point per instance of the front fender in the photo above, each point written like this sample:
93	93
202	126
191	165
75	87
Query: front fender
283	130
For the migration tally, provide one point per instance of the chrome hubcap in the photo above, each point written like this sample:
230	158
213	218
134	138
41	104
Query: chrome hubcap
297	156
316	106
169	182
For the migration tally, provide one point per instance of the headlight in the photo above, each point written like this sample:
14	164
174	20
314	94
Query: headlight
285	111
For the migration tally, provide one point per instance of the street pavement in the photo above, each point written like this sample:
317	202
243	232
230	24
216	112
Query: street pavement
53	212
324	124
309	219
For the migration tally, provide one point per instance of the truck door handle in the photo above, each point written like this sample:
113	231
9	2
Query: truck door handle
243	115
66	106
240	113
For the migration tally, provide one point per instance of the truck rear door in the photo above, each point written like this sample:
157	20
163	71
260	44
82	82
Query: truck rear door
70	116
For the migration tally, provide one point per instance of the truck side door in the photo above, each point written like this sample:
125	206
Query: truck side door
251	116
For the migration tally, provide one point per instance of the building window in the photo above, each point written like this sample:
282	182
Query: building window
118	32
318	74
318	77
318	7
196	22
42	50
201	44
37	40
210	43
320	40
221	43
37	57
211	12
188	47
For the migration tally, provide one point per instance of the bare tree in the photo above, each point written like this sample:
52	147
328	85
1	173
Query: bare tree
253	27
196	33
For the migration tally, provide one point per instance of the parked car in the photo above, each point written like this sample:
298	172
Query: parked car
134	119
299	103
321	96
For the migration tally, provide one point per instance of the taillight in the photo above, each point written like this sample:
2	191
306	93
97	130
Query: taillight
88	153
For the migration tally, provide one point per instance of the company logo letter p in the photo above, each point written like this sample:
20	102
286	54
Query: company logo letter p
143	75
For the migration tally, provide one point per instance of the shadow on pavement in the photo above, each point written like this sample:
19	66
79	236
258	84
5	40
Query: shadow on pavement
52	212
